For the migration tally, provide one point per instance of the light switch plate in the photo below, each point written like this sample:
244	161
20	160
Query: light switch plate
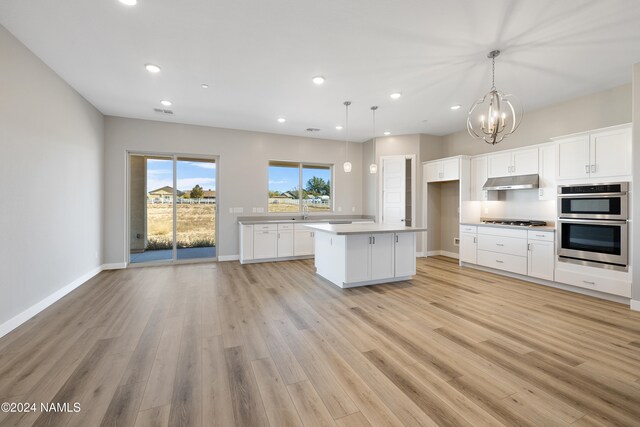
339	208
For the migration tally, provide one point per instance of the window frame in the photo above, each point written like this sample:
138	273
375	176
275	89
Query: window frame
301	165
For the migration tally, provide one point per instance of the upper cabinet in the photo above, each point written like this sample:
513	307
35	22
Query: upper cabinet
519	162
599	154
547	189
442	170
479	175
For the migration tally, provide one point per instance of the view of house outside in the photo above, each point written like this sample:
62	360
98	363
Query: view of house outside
284	187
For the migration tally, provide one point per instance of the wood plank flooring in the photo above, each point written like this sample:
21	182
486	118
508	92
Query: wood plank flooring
275	345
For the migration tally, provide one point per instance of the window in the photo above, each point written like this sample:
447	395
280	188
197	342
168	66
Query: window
293	184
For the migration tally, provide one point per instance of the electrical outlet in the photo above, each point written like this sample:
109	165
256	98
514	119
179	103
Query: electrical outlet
255	210
353	208
339	208
260	210
230	210
456	241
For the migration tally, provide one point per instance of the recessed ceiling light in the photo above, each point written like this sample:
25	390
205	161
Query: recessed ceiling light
152	68
129	2
318	80
456	107
386	133
166	103
204	86
395	95
339	127
281	120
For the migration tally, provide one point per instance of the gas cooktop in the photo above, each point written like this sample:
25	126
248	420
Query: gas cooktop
519	222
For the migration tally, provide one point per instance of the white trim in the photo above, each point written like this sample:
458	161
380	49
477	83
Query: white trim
114	266
18	320
223	258
420	254
635	305
443	253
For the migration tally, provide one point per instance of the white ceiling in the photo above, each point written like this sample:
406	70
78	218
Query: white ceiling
259	57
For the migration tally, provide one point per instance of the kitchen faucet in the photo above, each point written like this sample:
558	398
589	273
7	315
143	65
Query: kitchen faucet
305	211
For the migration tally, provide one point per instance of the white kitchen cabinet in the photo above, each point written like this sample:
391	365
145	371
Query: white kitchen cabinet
265	244
442	170
382	256
547	173
285	240
598	154
468	248
479	175
246	242
405	254
517	162
541	259
358	258
501	261
302	242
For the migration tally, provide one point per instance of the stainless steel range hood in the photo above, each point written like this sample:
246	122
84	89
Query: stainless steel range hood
518	182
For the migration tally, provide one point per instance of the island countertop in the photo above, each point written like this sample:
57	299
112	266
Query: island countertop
355	228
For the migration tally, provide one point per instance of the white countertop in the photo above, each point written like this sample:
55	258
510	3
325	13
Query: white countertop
341	229
285	220
519	227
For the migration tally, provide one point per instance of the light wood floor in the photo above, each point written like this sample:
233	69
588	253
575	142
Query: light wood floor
273	344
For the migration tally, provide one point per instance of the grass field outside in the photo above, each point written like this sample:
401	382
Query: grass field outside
195	225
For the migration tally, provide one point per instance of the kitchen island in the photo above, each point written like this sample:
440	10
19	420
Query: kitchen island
350	255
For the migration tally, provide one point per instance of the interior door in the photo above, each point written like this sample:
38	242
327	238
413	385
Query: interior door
393	190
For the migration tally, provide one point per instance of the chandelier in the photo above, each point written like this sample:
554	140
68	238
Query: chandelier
496	115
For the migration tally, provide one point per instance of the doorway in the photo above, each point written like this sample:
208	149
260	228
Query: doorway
397	184
172	208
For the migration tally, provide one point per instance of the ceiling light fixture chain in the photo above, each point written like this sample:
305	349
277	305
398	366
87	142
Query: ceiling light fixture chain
347	164
373	167
496	115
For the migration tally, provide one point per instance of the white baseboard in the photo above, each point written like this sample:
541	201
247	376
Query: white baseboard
114	266
635	305
228	258
443	253
18	320
420	255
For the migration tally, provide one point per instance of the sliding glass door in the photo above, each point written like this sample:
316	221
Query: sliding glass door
172	208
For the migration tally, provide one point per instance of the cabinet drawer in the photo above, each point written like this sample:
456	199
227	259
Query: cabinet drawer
512	263
468	229
282	227
503	231
265	227
547	236
503	245
589	281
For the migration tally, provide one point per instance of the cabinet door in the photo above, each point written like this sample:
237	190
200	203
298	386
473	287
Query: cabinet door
358	254
432	171
246	242
265	244
285	243
525	162
573	158
303	243
382	259
541	259
499	164
547	170
478	178
468	248
611	153
405	254
450	170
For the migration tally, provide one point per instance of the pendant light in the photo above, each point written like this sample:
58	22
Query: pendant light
373	167
496	115
347	163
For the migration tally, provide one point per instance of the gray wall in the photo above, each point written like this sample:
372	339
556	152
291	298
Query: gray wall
598	110
635	291
243	172
52	147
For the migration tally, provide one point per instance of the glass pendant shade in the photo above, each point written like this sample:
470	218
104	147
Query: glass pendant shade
495	116
347	164
347	167
373	168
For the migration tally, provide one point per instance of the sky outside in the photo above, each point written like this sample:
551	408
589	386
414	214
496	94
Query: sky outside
160	174
284	179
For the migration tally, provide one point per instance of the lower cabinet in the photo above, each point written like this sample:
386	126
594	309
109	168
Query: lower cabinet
382	255
379	256
513	263
285	243
468	248
265	244
541	259
405	254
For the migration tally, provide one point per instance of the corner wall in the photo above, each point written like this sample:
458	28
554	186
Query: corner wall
52	143
635	286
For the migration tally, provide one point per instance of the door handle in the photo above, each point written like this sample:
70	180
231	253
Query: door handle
396	238
369	239
499	262
374	240
475	240
529	247
589	283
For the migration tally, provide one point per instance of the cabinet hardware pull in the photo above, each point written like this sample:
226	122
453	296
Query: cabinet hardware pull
475	240
540	235
593	168
369	239
529	247
498	261
499	244
396	238
374	240
278	235
586	169
589	283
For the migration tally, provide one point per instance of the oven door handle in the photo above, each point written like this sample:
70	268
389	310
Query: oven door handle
592	221
590	195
